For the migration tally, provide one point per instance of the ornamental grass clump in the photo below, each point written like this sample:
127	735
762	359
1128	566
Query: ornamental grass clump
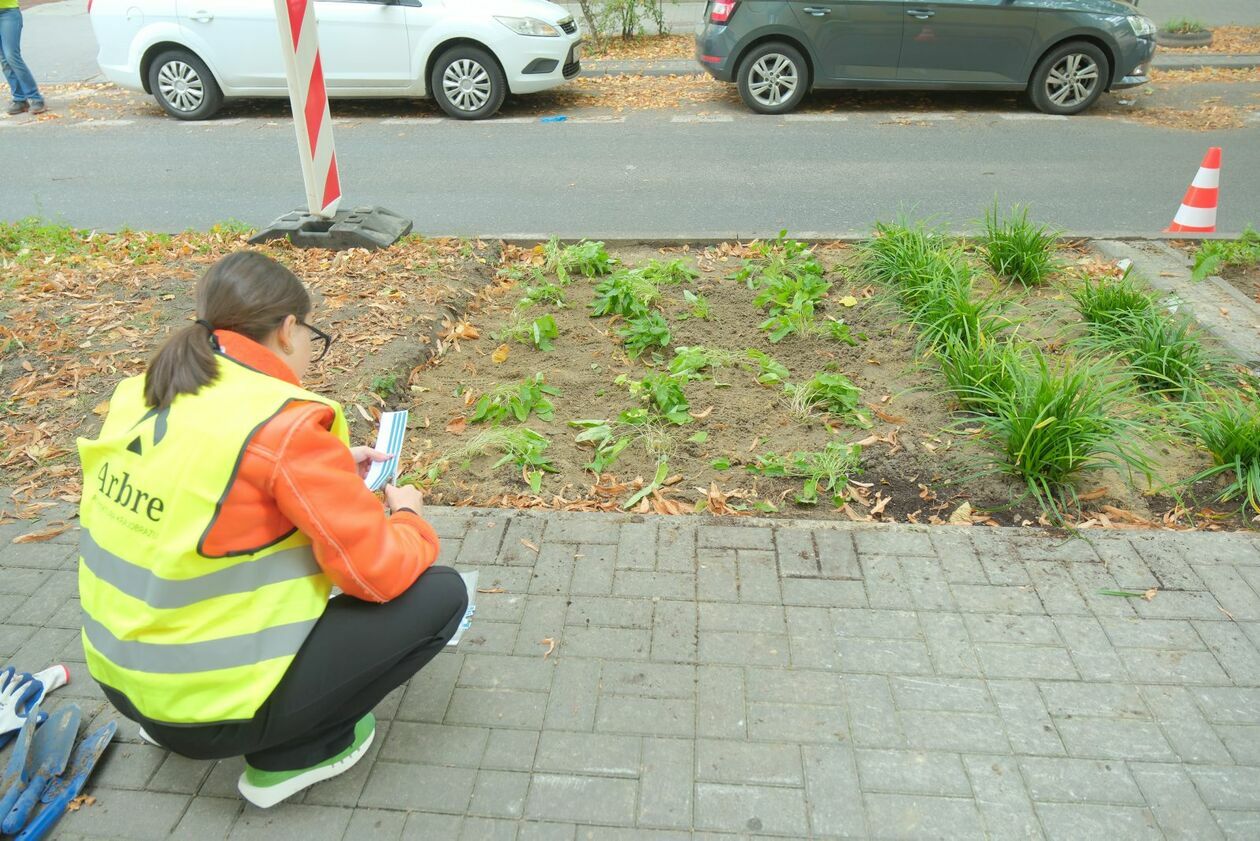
1059	421
1164	355
1016	249
981	372
1108	304
1227	425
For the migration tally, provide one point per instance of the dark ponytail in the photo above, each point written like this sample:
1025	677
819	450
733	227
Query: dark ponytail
245	292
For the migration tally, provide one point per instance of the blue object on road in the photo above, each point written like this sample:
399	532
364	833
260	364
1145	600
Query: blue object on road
64	789
13	780
49	750
557	119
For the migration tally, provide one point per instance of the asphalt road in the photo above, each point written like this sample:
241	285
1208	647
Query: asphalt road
652	174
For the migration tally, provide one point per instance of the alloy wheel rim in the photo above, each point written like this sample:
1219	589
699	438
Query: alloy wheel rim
773	79
1072	80
466	84
180	85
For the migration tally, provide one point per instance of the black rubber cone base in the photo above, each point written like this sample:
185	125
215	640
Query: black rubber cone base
363	227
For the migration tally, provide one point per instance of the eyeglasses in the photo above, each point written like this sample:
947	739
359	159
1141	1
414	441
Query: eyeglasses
318	352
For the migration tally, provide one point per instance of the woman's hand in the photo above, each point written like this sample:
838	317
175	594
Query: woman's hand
407	496
363	458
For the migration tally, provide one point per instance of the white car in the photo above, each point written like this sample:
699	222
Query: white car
466	54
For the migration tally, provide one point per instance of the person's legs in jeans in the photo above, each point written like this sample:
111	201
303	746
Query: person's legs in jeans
357	654
21	80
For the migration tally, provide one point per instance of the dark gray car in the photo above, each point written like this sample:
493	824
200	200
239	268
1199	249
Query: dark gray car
1063	53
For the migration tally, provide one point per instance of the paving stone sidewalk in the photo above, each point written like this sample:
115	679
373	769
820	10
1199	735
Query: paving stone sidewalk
719	679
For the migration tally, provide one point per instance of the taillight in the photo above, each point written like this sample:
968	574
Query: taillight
722	10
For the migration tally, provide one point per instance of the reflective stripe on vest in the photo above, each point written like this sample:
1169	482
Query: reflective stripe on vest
167	593
205	656
188	637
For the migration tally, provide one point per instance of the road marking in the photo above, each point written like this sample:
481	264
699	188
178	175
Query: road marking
412	121
234	121
102	123
10	123
504	121
599	118
1032	116
702	118
918	116
816	118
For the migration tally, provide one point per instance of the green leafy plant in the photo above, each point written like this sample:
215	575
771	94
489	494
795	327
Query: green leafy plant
834	394
664	394
643	331
841	332
1228	426
1058	422
606	444
769	370
516	400
669	273
1184	26
697	303
627	292
543	293
521	446
778	257
1215	255
540	332
947	308
586	258
384	385
696	360
828	470
1016	249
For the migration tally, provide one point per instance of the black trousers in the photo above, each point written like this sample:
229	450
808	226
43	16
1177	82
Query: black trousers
357	653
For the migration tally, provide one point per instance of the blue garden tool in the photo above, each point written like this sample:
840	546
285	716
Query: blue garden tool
64	789
49	751
12	780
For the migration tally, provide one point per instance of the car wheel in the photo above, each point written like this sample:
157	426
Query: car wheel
1069	79
467	83
773	78
184	86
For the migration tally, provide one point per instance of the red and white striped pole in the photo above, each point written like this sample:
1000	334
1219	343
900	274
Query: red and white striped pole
299	42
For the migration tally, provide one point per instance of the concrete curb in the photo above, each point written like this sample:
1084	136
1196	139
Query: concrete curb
813	237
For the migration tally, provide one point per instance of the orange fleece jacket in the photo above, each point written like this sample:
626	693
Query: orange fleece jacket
296	474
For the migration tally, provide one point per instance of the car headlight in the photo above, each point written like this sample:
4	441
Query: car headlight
529	26
1142	26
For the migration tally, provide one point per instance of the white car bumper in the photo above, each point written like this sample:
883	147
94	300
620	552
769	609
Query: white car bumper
546	63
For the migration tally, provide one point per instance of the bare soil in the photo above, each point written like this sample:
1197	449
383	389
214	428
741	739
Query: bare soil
920	462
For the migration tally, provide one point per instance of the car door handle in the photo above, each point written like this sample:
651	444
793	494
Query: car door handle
816	11
921	14
202	16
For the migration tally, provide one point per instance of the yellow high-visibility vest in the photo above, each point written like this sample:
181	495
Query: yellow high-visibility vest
187	637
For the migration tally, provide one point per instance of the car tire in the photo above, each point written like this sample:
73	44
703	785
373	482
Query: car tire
183	85
1069	79
467	83
773	78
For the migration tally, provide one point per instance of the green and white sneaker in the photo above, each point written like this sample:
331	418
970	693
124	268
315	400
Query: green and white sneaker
267	788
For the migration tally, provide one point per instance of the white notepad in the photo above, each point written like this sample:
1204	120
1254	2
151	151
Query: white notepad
389	440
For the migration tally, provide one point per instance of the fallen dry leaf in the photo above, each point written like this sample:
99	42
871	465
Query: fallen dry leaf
529	545
1096	493
491	590
702	415
961	515
1150	594
500	354
551	646
456	426
101	408
40	536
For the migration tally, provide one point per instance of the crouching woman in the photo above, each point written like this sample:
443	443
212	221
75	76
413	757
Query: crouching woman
221	504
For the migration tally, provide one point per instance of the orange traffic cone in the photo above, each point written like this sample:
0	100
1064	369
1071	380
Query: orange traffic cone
1197	213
